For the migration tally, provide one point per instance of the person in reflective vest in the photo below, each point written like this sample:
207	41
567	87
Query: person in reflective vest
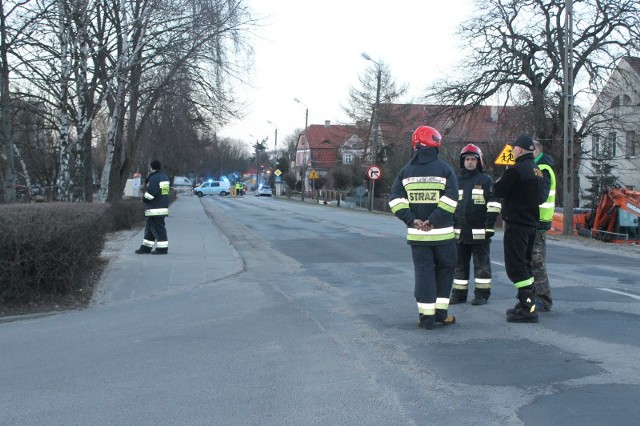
474	223
540	278
156	198
424	196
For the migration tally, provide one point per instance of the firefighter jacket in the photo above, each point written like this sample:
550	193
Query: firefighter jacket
156	196
545	164
477	210
521	188
426	189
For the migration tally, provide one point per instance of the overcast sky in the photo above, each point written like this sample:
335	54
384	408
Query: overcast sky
311	50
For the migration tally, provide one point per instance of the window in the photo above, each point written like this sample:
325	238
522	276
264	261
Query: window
610	146
347	158
595	146
603	149
630	144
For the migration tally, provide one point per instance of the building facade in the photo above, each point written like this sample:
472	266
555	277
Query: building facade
614	137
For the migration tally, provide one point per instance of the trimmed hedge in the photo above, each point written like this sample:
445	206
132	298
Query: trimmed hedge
52	251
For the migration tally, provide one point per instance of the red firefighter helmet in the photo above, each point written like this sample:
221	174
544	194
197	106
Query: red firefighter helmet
425	137
471	150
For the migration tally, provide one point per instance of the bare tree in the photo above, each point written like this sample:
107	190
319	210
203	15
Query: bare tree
18	19
61	69
192	38
517	52
361	101
133	57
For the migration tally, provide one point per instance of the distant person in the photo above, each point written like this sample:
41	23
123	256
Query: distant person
156	198
521	187
424	196
474	223
540	278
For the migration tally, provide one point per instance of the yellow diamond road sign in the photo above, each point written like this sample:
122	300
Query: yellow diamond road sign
277	172
505	158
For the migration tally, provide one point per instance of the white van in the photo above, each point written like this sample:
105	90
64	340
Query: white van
216	187
181	181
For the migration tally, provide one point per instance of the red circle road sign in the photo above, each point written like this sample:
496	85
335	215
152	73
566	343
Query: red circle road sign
374	172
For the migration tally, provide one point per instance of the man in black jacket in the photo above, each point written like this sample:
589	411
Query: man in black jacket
424	196
156	198
474	222
521	188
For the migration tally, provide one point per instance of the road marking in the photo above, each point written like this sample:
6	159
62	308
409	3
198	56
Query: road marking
497	263
633	296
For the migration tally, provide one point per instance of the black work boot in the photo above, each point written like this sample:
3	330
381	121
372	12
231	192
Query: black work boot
481	297
160	251
426	321
458	296
143	250
525	311
443	318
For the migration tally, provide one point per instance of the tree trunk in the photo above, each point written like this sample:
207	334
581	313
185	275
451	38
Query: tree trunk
110	181
64	177
9	180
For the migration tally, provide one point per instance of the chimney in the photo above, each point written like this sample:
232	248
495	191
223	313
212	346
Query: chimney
494	113
327	123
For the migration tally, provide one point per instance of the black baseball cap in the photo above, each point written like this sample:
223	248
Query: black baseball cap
524	142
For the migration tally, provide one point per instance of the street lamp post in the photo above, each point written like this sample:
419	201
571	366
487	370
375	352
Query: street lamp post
303	167
257	172
275	144
278	182
374	147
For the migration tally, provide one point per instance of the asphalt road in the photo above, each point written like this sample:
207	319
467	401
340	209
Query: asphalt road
319	327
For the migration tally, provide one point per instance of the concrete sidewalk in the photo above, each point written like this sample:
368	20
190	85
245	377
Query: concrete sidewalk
198	253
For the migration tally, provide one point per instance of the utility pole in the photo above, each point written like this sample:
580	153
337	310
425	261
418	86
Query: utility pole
303	167
567	181
374	146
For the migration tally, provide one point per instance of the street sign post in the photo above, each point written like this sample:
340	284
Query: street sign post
373	173
505	158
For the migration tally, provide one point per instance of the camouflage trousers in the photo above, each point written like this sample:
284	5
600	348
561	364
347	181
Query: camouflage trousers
540	278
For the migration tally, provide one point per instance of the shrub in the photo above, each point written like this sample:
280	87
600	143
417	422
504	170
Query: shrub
50	253
49	249
125	214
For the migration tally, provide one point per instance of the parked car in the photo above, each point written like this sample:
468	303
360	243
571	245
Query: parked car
263	190
220	187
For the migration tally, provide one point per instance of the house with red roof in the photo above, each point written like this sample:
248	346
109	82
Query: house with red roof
490	127
319	148
323	147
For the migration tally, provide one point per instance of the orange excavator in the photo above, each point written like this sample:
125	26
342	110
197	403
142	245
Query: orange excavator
616	217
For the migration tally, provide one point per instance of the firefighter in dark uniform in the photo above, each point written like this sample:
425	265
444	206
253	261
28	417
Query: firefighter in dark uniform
521	189
474	222
156	198
424	196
